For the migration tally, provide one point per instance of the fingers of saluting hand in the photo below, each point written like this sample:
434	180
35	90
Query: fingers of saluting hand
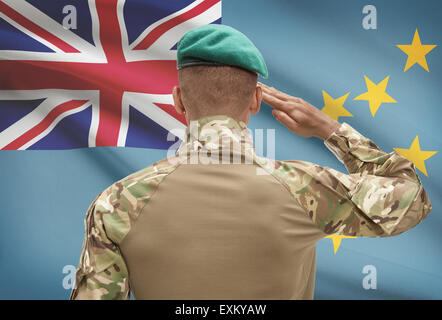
275	102
285	119
279	100
274	92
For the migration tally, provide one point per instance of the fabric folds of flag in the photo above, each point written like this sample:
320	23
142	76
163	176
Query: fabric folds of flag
109	85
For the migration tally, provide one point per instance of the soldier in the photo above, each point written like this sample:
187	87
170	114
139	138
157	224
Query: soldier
209	230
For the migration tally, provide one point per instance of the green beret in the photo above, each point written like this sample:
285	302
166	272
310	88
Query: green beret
216	44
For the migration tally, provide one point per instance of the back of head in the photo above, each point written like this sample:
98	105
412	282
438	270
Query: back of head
218	72
210	90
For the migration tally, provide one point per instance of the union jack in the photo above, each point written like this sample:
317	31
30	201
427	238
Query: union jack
105	76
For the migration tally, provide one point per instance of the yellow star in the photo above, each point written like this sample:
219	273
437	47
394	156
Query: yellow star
337	241
376	94
334	107
416	52
416	155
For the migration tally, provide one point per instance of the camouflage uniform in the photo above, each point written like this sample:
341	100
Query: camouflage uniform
256	241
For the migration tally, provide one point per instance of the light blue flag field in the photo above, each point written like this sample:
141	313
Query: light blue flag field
85	100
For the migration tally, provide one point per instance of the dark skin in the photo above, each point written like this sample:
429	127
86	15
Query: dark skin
297	115
253	107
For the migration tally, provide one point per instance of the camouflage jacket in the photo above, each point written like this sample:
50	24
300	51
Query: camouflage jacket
381	196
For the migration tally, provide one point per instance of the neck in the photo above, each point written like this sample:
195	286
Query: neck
244	117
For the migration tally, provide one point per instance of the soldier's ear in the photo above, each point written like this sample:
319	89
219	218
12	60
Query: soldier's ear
256	101
178	103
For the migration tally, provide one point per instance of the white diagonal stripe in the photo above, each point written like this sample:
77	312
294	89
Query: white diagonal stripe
161	21
53	99
51	26
54	123
145	103
161	48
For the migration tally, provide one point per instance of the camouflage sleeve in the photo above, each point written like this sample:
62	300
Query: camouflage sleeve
381	196
102	272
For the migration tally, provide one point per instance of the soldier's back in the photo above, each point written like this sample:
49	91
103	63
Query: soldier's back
221	231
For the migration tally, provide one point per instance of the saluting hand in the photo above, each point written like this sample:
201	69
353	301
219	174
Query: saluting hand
298	115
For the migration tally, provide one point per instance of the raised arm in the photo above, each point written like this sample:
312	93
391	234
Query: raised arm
382	195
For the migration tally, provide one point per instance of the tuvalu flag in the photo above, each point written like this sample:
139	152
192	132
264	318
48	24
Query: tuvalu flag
85	101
